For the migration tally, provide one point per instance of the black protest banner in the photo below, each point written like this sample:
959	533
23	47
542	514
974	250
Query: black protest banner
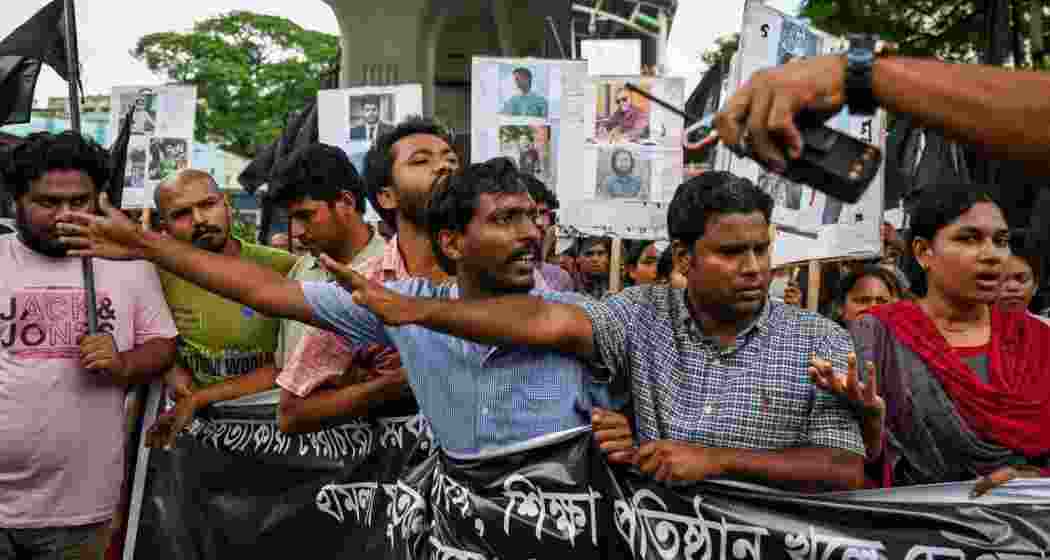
245	489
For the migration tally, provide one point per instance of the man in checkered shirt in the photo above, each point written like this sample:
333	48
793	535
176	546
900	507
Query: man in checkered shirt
719	372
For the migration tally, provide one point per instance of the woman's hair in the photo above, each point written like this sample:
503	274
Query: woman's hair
665	265
635	254
875	271
937	207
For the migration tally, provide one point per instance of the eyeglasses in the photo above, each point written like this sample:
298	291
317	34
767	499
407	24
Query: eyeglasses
622	100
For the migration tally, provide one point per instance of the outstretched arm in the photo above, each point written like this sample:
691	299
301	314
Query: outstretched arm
113	236
509	320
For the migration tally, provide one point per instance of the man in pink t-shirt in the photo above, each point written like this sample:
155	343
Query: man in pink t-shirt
61	392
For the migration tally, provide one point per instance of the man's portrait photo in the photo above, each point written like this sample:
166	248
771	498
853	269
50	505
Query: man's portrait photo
528	97
371	116
621	116
622	175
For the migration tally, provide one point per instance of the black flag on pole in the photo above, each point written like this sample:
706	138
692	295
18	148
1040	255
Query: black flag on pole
18	76
118	159
41	39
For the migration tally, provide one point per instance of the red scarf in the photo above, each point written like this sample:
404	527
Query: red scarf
1013	408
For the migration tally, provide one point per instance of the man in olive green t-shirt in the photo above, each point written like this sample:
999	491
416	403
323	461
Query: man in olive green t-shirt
225	349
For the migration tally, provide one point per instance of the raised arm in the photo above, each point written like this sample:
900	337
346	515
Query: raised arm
509	320
113	236
989	107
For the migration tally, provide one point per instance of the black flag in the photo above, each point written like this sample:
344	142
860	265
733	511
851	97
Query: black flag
41	39
18	76
118	159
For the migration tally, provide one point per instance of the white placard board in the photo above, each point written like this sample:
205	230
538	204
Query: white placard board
631	158
812	226
530	111
612	57
161	142
354	118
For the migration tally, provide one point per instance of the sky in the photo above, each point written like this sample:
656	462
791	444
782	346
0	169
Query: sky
109	29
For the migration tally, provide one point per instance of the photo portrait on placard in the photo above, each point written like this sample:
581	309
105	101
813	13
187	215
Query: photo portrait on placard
145	103
524	90
135	175
621	115
530	147
371	116
796	42
167	157
623	175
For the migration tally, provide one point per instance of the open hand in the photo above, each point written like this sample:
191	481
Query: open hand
612	431
389	306
863	395
98	354
671	461
1001	476
110	236
764	109
166	429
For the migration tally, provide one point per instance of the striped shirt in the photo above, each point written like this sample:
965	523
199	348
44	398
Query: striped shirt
755	394
478	398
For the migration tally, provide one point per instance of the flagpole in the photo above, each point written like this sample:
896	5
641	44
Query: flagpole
73	58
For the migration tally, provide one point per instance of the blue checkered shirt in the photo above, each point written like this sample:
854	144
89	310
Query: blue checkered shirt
479	399
755	394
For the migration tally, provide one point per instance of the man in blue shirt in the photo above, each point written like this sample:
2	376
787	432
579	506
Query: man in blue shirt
623	183
526	103
481	400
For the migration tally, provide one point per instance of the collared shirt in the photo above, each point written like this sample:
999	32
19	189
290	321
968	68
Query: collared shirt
309	269
478	398
623	186
526	105
756	394
320	355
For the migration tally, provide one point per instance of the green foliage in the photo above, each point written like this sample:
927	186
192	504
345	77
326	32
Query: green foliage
950	29
723	51
244	229
251	71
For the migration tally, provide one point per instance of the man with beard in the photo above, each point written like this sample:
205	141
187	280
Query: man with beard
622	183
525	103
483	226
62	390
742	403
373	128
226	350
325	200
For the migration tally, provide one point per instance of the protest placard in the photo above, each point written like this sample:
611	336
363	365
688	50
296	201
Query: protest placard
161	142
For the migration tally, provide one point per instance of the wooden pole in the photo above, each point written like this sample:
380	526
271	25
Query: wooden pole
616	266
813	295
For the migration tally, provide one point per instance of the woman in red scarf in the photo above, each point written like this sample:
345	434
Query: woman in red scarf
966	385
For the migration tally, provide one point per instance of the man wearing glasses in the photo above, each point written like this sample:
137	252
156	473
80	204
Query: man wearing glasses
628	121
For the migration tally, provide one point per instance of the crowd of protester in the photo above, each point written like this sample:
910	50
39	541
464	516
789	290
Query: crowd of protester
705	365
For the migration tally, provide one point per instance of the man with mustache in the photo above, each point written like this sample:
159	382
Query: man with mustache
226	350
62	433
482	401
720	375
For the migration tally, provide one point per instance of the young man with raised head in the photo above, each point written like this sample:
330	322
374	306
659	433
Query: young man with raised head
226	349
719	374
325	199
481	400
62	390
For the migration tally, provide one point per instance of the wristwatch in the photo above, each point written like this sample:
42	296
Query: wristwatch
860	61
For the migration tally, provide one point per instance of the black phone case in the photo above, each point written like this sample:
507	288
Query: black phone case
835	163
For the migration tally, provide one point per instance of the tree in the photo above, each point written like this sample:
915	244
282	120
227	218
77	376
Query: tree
722	53
954	30
251	70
